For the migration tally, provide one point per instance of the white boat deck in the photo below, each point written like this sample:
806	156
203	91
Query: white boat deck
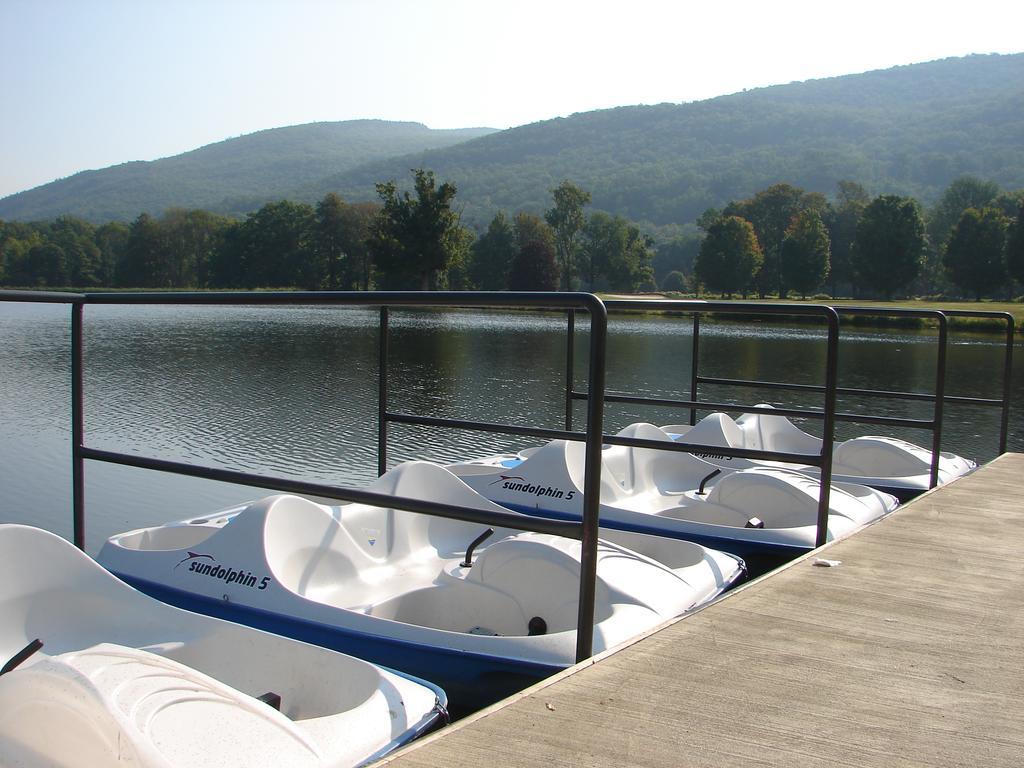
909	653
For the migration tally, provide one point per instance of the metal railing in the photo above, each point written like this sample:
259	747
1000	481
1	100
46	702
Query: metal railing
822	459
938	397
586	530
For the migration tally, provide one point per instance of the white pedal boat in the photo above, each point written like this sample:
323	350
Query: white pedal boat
118	678
766	511
391	586
886	463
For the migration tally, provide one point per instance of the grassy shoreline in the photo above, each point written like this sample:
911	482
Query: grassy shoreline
981	324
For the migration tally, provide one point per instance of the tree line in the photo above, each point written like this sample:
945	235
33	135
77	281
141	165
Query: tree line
781	241
407	240
784	239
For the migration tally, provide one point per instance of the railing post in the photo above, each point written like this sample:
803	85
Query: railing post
1004	425
77	428
592	479
940	395
570	359
694	358
829	425
382	393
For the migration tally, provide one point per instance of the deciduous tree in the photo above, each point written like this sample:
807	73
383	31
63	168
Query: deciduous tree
329	240
805	253
963	193
414	239
144	259
534	268
842	220
492	256
974	254
889	244
529	227
615	250
729	257
771	211
567	220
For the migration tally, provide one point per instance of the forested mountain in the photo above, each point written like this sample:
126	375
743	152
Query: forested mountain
909	131
235	176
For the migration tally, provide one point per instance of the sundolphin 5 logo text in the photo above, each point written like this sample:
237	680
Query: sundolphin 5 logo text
519	484
216	571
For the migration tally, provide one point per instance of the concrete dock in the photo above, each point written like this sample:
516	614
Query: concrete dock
910	652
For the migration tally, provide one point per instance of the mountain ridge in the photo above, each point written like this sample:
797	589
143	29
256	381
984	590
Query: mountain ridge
233	175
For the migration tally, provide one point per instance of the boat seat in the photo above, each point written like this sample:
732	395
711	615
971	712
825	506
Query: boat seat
779	500
764	431
716	429
541	574
881	457
313	555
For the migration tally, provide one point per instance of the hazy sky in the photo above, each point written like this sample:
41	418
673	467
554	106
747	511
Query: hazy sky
92	83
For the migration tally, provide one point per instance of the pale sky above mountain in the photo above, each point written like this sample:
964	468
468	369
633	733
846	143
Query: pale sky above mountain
93	83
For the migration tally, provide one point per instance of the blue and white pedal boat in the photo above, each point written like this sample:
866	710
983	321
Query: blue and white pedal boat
888	464
764	511
95	673
395	587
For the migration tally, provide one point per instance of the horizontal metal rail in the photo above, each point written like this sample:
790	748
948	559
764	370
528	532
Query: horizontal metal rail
879	393
800	413
568	529
483	426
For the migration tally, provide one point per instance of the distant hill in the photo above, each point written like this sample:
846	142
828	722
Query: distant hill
907	130
232	176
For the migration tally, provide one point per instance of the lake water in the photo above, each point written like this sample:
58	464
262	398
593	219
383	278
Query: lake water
293	392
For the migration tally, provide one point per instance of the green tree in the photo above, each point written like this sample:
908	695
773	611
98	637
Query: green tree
360	218
975	252
455	276
111	239
191	239
279	250
340	234
17	239
534	268
842	220
48	265
771	211
729	257
889	244
144	258
567	220
493	254
805	253
1015	246
330	241
529	228
77	239
617	251
413	240
963	193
